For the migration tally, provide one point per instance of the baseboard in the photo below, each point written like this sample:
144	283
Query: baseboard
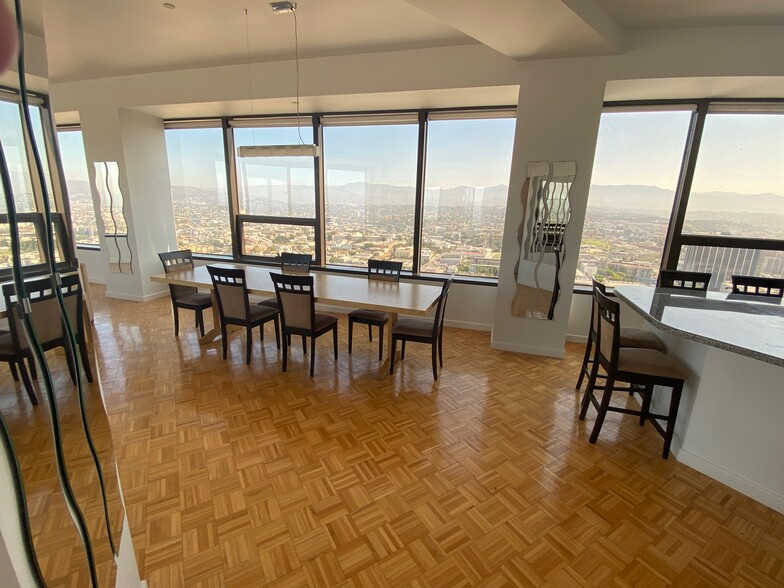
135	298
468	325
734	481
577	339
529	349
101	281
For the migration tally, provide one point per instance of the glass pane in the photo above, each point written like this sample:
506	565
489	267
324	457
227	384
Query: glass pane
723	262
466	187
16	157
36	112
200	198
738	187
276	186
77	182
370	193
635	174
269	240
28	243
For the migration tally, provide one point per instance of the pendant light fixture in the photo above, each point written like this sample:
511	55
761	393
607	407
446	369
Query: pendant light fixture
297	150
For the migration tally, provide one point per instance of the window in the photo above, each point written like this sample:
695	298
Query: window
370	169
15	151
197	170
635	176
276	195
734	222
466	187
77	182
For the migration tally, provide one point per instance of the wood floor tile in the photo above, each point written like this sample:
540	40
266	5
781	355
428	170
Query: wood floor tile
241	475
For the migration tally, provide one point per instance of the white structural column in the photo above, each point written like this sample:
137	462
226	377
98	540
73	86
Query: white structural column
136	141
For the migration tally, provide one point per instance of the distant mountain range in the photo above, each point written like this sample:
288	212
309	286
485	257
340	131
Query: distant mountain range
649	199
652	198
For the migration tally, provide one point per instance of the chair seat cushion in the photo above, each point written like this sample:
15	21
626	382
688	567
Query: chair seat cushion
324	321
258	312
631	337
649	362
195	299
414	327
270	302
365	314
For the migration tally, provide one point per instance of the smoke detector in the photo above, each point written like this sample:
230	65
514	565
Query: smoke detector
283	7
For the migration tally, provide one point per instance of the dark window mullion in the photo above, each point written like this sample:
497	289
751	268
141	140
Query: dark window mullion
419	202
673	242
231	184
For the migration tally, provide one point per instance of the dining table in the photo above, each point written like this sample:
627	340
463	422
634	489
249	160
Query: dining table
348	291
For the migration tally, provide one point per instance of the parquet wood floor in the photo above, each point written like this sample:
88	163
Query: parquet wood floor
238	475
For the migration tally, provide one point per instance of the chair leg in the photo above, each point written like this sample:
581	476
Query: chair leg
31	366
403	349
304	346
286	343
647	393
176	321
312	353
434	353
248	343
14	373
380	341
370	332
335	340
586	357
597	426
224	341
28	384
675	401
261	333
392	354
70	361
277	332
589	390
441	349
350	334
200	321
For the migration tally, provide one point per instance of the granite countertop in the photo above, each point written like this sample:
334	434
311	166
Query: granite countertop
748	325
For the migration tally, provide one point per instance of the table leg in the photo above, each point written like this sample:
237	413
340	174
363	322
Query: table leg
384	369
214	333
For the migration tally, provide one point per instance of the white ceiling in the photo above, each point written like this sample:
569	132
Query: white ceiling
100	38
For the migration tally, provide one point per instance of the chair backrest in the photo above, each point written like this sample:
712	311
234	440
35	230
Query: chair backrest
438	321
683	280
295	262
596	286
296	301
756	286
388	271
608	334
45	310
231	291
174	261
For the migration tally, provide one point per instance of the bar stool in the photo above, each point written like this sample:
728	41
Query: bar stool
641	368
630	337
681	280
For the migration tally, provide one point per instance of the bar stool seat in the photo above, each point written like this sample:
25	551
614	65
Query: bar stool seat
648	362
633	337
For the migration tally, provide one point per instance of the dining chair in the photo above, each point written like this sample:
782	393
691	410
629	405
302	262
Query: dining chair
298	315
289	263
186	297
48	326
422	330
641	368
387	271
629	337
683	280
234	308
757	286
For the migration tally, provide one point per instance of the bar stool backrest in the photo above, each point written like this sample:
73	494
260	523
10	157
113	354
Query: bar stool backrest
684	280
609	331
756	286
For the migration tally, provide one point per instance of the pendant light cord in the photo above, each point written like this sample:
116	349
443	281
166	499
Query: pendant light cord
296	61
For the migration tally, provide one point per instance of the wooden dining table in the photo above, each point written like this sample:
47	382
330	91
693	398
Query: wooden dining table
347	291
